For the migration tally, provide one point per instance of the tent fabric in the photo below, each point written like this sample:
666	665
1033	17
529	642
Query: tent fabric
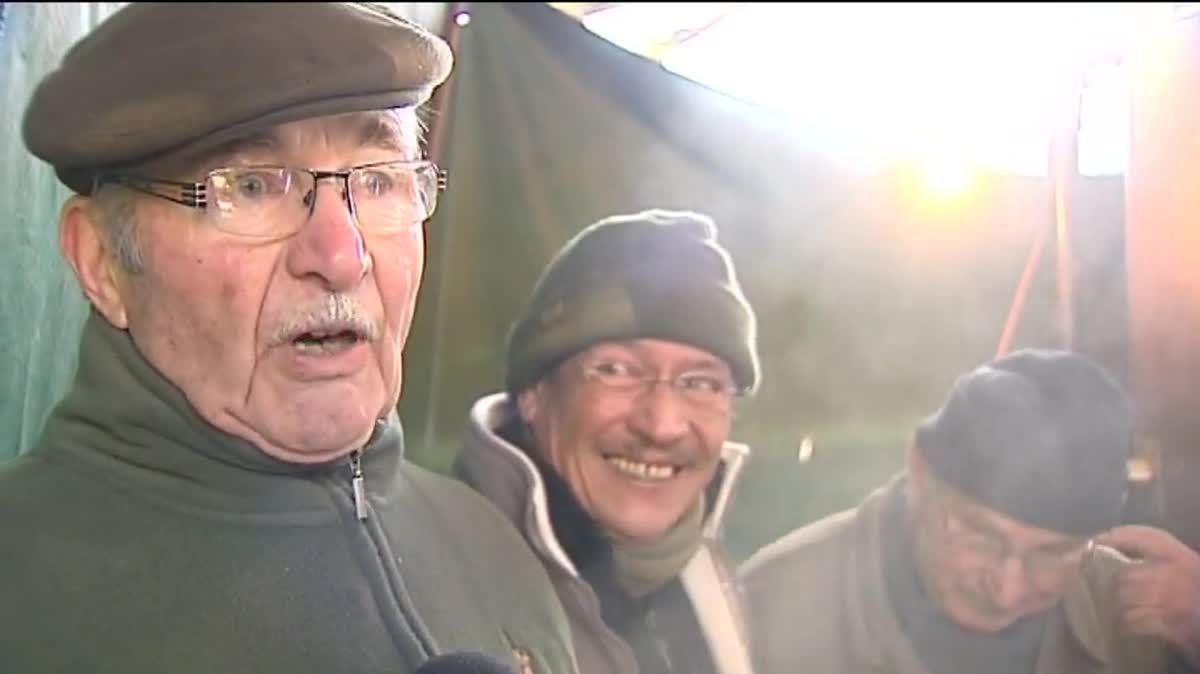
869	303
41	307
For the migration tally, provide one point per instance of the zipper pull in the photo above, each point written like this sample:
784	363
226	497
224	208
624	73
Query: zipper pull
359	488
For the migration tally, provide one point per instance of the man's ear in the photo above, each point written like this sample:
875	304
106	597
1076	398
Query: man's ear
82	243
529	402
916	467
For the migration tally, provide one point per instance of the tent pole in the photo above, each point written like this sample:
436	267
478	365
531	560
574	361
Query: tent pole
438	128
1063	174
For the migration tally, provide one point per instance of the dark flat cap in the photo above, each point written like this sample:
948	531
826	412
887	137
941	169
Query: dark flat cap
159	78
1040	435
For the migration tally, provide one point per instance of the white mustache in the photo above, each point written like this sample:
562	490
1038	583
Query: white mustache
335	312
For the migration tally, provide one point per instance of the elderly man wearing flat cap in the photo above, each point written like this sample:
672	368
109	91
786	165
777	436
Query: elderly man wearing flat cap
982	556
219	490
609	446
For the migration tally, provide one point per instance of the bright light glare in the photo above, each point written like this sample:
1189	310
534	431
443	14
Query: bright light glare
946	178
888	80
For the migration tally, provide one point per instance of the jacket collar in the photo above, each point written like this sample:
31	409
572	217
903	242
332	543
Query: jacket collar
121	416
502	472
875	634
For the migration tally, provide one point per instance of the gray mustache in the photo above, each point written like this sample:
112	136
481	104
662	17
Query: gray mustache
335	312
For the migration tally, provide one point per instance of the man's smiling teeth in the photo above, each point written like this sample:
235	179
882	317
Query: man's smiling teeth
642	471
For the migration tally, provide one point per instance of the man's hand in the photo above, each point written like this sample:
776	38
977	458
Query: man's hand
1159	594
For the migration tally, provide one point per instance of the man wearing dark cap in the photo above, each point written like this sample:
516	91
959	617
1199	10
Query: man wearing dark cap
608	449
981	557
219	490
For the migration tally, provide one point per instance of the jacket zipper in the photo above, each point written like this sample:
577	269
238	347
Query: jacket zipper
413	629
358	486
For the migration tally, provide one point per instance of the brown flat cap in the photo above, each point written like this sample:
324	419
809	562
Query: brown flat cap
158	78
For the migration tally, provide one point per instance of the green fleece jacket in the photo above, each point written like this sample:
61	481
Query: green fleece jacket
136	539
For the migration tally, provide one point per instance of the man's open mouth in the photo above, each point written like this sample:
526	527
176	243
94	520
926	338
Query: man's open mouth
326	342
642	470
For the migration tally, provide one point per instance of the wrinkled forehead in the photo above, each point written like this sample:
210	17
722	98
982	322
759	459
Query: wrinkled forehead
393	134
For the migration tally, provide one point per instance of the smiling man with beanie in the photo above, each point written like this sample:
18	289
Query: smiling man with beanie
981	557
609	448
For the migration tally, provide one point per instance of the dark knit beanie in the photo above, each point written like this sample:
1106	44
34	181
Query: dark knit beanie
1041	436
655	274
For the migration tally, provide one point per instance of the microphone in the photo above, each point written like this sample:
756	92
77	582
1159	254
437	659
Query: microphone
464	662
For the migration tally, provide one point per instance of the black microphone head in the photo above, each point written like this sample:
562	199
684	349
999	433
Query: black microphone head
463	662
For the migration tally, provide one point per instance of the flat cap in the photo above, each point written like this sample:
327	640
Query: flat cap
155	79
1040	435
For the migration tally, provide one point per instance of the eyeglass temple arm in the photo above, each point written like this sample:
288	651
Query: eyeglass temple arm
189	194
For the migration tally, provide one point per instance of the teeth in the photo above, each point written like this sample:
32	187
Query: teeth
318	343
314	335
640	470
